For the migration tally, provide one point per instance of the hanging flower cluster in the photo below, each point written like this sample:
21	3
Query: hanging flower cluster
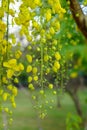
39	21
10	67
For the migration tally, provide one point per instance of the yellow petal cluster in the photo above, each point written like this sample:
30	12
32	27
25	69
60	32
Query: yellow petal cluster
57	56
29	68
13	67
29	58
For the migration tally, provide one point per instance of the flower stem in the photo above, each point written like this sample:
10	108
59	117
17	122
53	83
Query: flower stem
42	65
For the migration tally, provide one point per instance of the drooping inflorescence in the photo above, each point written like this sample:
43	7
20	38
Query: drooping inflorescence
39	22
10	66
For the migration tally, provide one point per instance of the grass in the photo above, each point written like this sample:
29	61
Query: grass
25	117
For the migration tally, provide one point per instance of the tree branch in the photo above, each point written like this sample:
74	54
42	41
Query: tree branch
79	17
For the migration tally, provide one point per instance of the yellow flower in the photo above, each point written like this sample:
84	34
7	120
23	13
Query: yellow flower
57	56
18	54
54	92
29	38
2	26
52	31
29	68
50	86
21	67
10	121
11	12
46	58
56	65
29	58
42	32
54	69
57	25
1	36
63	10
48	70
4	80
69	35
10	64
1	12
4	96
29	79
16	80
10	73
4	42
73	74
48	15
41	92
14	105
35	78
42	115
31	86
9	87
4	50
57	7
37	2
50	2
1	91
36	25
12	98
33	97
14	91
34	70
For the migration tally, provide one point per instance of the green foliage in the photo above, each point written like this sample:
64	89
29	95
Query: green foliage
73	122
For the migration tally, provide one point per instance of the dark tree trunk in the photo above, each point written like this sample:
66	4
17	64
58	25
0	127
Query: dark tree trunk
76	102
79	17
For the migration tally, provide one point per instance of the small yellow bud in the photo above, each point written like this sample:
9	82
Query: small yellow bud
52	31
14	91
48	15
21	67
4	96
9	87
57	56
16	80
42	115
46	58
29	79
34	70
10	73
35	78
1	91
29	68
29	58
56	65
41	92
50	86
30	86
14	105
73	74
33	97
54	92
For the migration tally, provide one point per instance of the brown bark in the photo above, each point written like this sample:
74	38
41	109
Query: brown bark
72	89
76	102
79	17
